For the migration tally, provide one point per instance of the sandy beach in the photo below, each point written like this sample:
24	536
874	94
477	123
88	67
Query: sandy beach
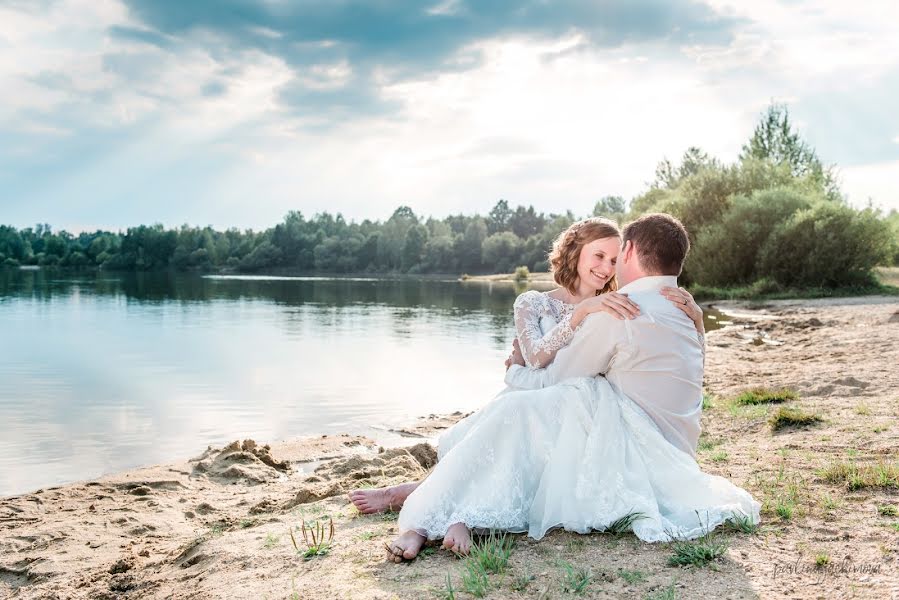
217	525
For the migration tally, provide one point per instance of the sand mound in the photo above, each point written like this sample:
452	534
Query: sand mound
237	462
397	465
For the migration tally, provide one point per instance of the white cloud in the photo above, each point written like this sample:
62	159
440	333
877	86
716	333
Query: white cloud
877	183
556	124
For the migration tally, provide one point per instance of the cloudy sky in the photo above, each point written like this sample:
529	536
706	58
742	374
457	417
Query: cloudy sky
232	112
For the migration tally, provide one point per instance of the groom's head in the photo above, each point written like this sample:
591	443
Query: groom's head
654	244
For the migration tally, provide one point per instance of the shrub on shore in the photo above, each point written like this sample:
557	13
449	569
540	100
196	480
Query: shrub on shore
522	274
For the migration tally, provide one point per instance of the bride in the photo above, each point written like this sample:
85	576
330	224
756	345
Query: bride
578	455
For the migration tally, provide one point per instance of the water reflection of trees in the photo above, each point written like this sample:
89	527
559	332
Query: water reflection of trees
332	300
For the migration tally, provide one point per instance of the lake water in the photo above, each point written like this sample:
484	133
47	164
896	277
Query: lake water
103	372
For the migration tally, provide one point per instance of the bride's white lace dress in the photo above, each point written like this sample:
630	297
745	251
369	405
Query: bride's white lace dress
577	455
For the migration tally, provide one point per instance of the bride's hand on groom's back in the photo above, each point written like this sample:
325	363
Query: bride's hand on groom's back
617	305
682	299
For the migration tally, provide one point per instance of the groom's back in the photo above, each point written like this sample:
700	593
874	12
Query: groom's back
658	363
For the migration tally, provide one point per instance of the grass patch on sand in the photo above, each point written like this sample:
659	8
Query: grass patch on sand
762	395
853	476
792	417
785	495
718	456
699	552
747	411
706	443
632	577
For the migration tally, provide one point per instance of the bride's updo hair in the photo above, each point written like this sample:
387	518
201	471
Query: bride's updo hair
563	258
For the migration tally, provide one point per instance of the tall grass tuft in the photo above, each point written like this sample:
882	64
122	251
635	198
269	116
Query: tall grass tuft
624	524
492	551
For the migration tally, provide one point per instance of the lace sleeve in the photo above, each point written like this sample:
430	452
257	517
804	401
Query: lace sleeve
538	349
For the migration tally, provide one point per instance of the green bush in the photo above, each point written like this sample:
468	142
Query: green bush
522	274
726	252
827	245
893	221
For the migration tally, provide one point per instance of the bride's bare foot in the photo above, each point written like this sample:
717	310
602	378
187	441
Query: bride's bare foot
369	502
458	539
405	547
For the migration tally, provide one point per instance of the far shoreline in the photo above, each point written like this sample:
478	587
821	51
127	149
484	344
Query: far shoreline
887	284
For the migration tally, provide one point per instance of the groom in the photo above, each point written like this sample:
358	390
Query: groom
656	360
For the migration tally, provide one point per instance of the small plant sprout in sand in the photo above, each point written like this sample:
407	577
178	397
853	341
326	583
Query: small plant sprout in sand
665	594
474	578
574	579
316	537
448	592
521	581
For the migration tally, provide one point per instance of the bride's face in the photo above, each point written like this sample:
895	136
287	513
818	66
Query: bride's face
596	263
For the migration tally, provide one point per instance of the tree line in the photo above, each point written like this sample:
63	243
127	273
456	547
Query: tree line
776	215
405	243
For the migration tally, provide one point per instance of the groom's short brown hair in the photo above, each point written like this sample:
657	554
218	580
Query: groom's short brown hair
661	241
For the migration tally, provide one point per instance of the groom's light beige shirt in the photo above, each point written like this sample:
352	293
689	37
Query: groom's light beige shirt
655	360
